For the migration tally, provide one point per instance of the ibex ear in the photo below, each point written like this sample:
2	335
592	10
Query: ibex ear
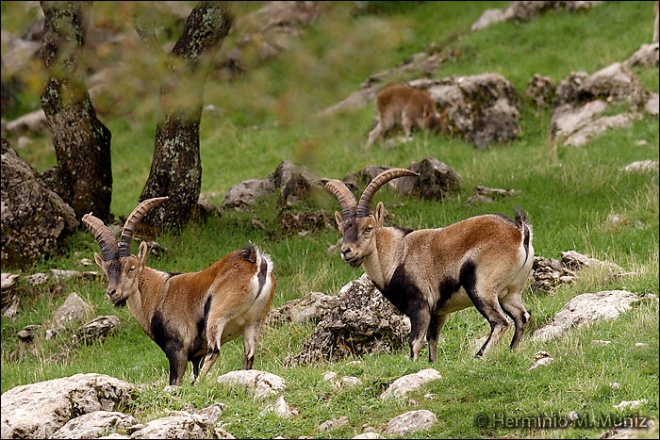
340	221
143	252
99	260
379	214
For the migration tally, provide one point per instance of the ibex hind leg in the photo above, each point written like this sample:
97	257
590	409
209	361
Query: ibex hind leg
514	307
484	296
490	308
250	337
214	340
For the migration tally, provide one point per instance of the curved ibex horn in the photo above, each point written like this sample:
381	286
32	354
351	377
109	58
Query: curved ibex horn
103	236
376	183
344	196
131	222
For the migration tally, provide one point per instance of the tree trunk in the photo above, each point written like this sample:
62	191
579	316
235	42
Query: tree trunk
82	142
176	169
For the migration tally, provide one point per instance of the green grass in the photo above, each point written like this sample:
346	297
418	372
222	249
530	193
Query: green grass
270	116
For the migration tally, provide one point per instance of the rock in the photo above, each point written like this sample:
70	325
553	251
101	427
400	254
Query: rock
436	180
581	99
74	310
652	106
333	424
94	424
296	183
368	435
33	123
34	218
266	32
244	194
615	82
338	383
527	11
8	281
582	136
38	410
96	330
27	333
410	382
600	342
282	408
541	358
631	404
262	383
645	56
541	91
178	425
576	261
482	109
409	422
9	299
483	194
568	119
642	166
548	274
363	321
585	309
489	17
313	306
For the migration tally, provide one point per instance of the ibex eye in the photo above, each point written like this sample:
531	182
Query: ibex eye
367	230
131	269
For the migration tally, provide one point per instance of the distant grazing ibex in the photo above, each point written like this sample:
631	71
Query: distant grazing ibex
483	261
404	106
189	315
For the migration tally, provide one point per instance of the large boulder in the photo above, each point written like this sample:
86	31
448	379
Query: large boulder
482	109
38	410
585	309
582	103
362	322
522	11
436	180
34	218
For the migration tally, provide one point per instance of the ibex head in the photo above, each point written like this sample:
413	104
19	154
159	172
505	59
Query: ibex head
356	223
121	268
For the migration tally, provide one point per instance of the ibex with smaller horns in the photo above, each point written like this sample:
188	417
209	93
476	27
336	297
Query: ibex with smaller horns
189	315
483	261
406	107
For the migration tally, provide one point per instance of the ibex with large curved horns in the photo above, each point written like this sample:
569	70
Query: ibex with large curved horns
483	261
189	315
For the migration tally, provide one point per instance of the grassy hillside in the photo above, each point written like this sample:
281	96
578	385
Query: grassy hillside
269	116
